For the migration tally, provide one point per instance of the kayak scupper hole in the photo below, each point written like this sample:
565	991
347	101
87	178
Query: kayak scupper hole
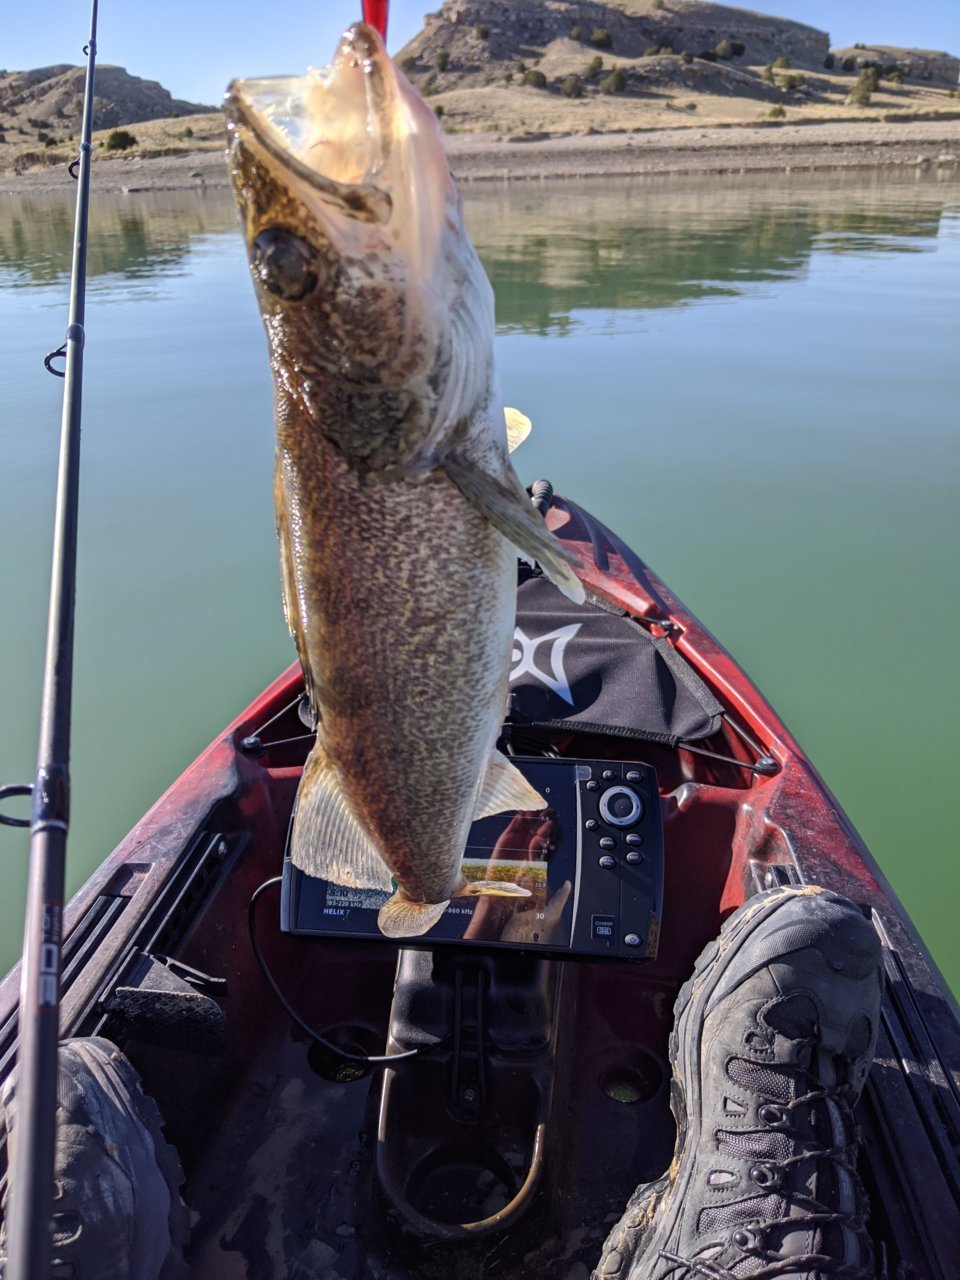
633	1082
358	1040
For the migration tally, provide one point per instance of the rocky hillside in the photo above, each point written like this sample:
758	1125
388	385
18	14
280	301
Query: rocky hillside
49	102
562	64
920	64
477	39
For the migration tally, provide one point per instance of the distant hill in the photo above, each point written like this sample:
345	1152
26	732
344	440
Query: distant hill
568	64
921	64
49	100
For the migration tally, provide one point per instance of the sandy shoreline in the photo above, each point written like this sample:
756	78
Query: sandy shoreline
482	157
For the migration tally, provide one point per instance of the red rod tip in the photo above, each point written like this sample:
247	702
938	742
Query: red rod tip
375	13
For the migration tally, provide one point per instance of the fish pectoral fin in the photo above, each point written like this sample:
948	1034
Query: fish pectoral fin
518	427
400	918
493	889
511	514
504	788
327	841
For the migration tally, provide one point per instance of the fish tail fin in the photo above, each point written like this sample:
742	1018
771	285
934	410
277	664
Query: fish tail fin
327	841
493	889
400	918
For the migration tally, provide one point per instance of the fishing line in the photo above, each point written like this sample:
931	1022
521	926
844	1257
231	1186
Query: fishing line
372	1060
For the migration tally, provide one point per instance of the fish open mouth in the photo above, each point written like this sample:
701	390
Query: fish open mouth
333	127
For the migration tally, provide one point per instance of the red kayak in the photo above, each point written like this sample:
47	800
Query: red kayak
530	1092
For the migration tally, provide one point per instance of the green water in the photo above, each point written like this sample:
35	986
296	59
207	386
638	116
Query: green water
755	382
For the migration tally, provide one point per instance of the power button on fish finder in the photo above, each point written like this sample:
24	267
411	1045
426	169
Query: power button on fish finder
621	807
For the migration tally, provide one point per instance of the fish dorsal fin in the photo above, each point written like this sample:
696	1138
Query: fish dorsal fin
518	427
512	514
505	788
327	840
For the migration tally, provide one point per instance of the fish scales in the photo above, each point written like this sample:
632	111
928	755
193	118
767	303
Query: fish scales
411	724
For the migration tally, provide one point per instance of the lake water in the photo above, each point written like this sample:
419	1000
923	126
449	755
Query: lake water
754	381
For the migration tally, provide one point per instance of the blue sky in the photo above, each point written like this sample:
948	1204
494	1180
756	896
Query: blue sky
194	47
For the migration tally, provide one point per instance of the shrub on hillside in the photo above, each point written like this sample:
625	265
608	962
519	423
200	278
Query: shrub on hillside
777	113
408	63
120	140
186	133
571	87
601	38
442	60
438	110
482	32
767	74
895	77
848	64
615	82
686	57
595	67
738	47
865	86
576	33
50	142
723	49
651	51
659	4
707	55
781	63
829	62
792	81
535	79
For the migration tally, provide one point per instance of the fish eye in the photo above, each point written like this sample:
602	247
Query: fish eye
284	264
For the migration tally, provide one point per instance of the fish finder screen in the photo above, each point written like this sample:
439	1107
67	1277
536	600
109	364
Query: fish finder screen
519	874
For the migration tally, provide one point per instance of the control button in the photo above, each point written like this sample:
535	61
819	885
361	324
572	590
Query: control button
608	775
607	862
603	927
632	939
591	824
633	775
593	786
633	857
620	806
607	842
633	838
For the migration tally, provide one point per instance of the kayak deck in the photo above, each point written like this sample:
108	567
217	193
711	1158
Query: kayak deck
281	1159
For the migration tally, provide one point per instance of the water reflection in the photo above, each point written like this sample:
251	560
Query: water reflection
131	237
642	244
632	245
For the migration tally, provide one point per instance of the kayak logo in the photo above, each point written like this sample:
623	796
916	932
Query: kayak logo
524	658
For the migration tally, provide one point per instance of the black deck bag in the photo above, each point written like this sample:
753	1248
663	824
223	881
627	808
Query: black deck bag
591	668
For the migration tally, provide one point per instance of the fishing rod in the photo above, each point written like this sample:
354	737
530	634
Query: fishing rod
34	1134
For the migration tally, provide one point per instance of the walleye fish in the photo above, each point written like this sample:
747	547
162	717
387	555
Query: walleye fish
398	511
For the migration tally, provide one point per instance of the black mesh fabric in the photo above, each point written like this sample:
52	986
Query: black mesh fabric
754	1209
593	669
769	1082
763	1143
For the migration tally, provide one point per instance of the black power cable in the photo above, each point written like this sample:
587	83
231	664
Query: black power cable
372	1060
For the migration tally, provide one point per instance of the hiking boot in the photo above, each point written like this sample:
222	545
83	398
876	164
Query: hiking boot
773	1039
117	1212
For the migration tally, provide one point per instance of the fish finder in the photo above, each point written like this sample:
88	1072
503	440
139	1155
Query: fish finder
591	864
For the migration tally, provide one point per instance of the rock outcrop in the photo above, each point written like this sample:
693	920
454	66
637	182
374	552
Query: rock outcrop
477	39
920	64
50	99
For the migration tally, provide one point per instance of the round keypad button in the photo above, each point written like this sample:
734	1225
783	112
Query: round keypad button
620	806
